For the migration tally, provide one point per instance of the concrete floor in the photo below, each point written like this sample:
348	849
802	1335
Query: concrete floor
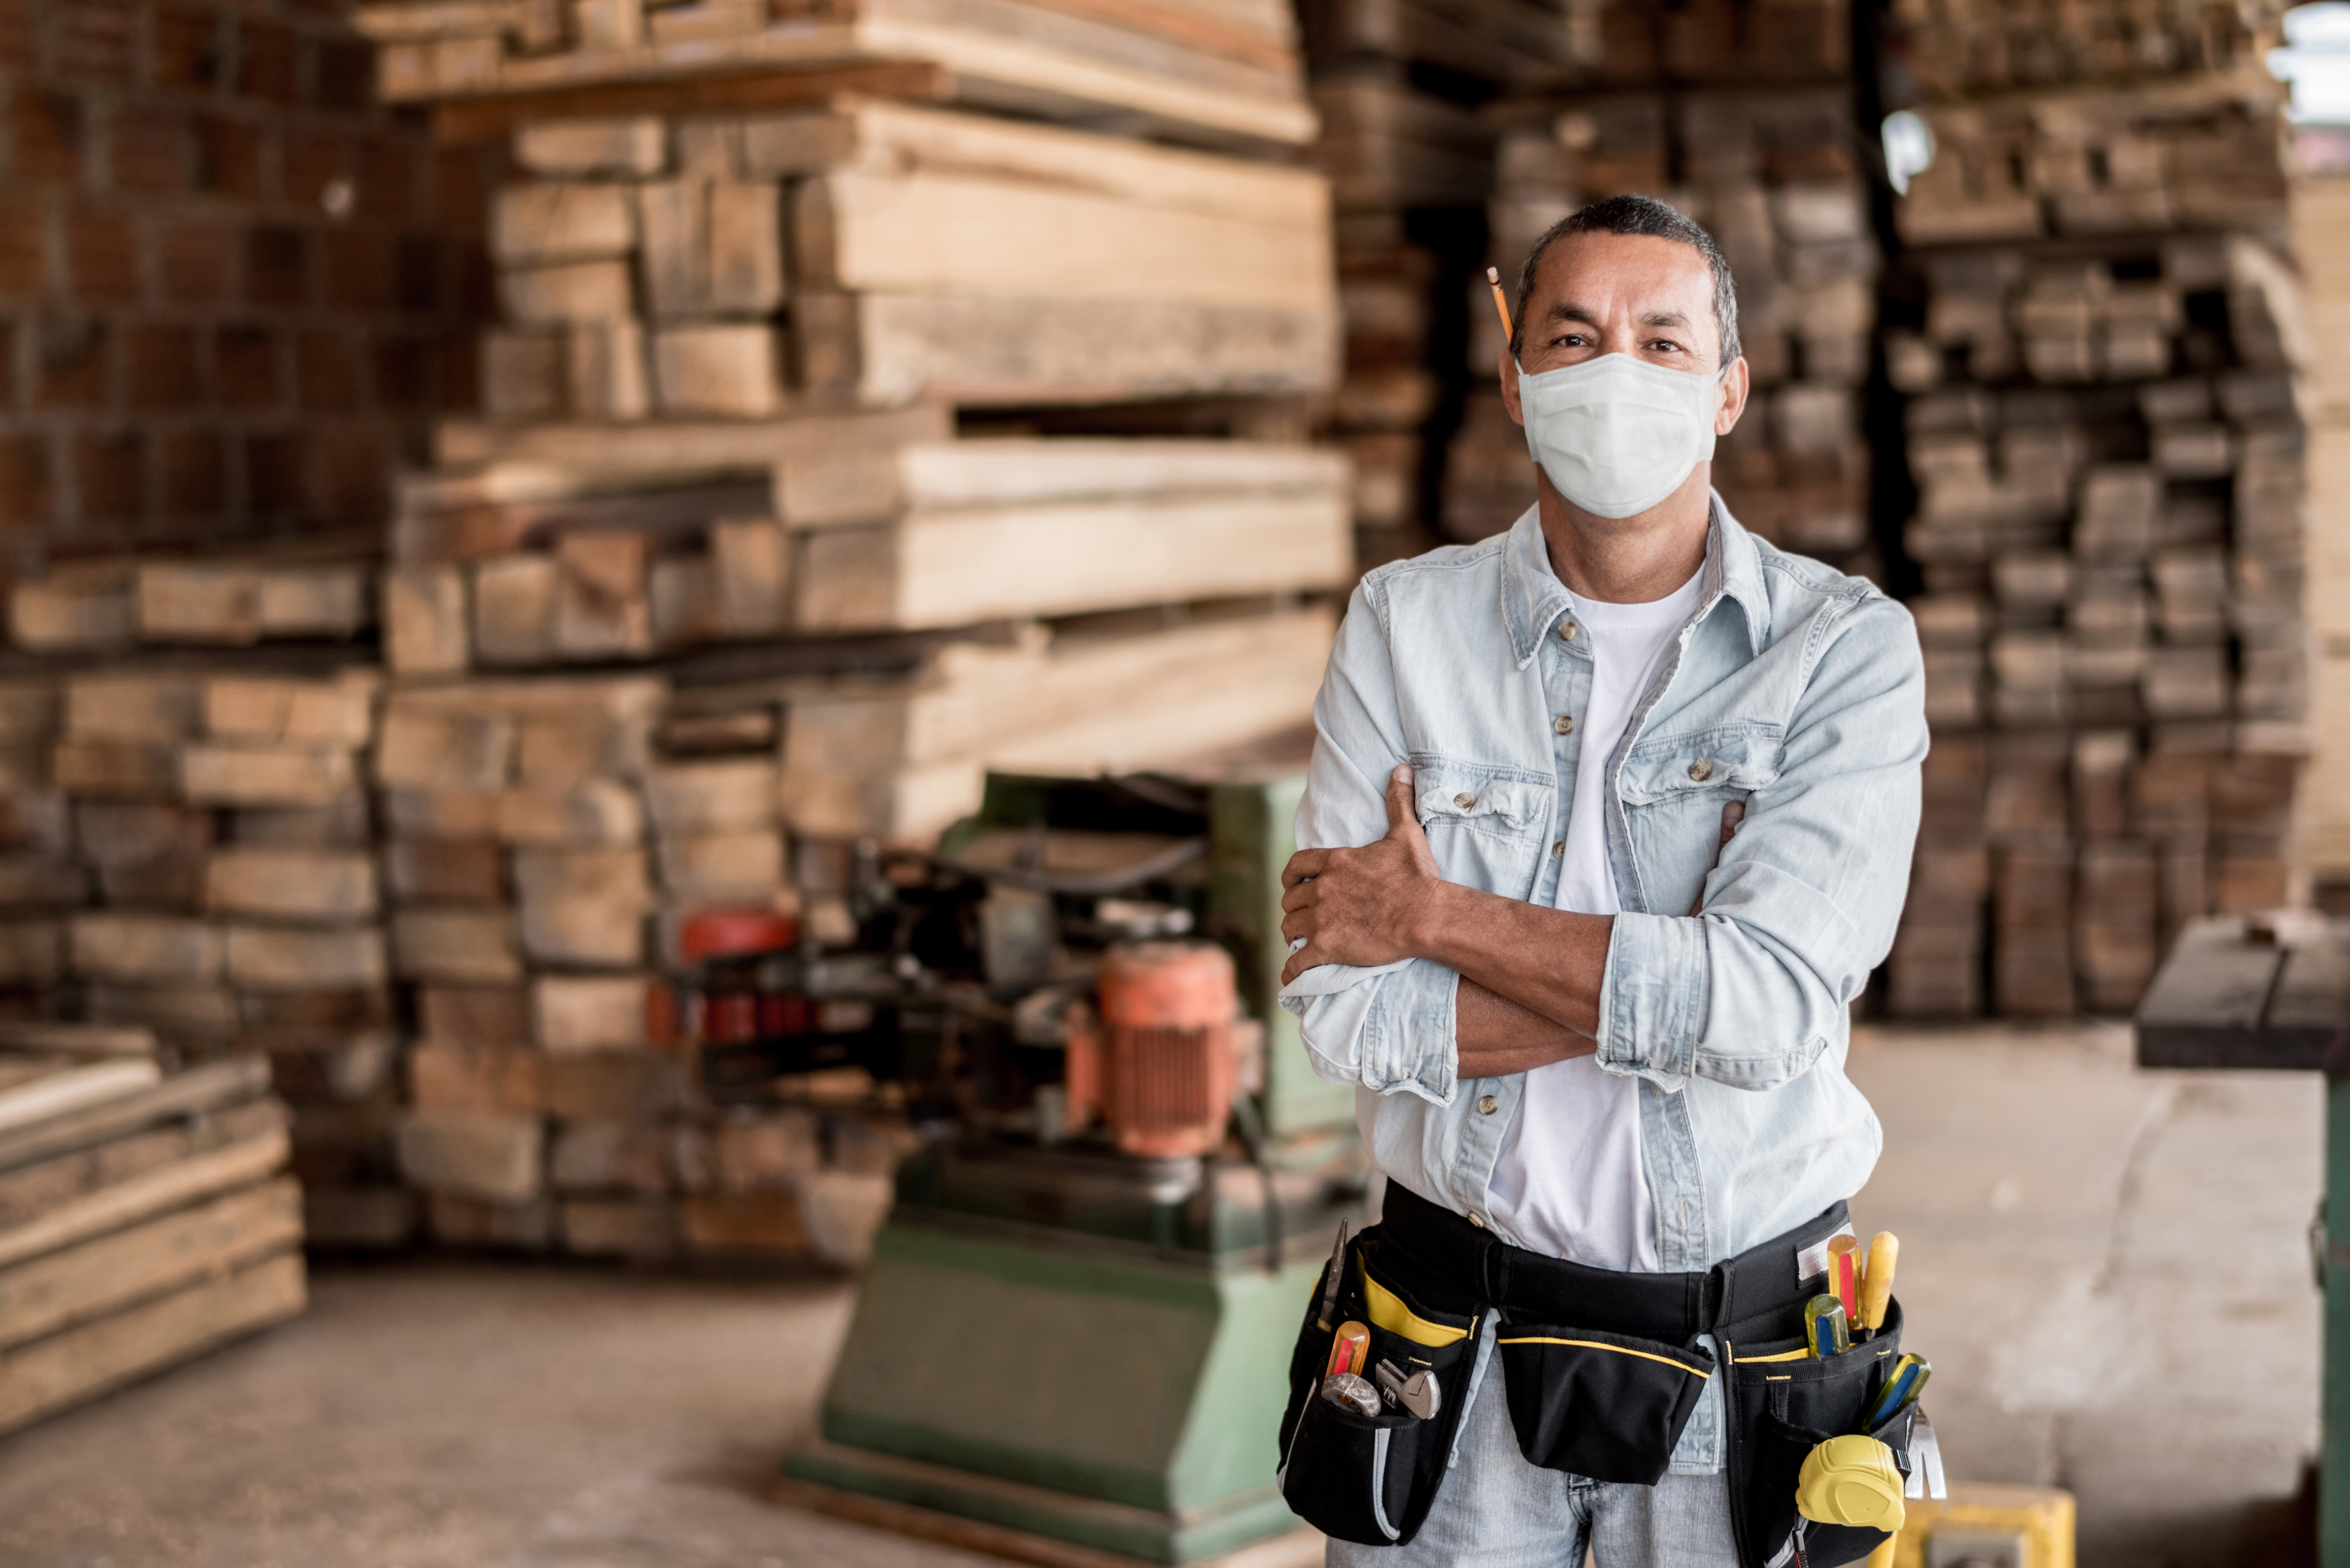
2109	1270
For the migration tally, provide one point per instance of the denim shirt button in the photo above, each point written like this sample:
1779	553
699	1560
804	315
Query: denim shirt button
1476	1218
1558	849
1700	770
1564	724
1487	1105
1567	631
1465	800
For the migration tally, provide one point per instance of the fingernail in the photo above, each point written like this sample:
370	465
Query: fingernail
1403	773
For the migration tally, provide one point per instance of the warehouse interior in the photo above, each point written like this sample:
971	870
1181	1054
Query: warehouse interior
620	613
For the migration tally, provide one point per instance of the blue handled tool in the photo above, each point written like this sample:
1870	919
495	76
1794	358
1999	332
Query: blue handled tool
1902	1386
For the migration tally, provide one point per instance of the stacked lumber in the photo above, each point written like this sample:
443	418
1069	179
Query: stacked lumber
829	526
840	440
217	823
1410	159
1959	47
869	255
145	1217
541	858
1227	71
2321	226
1770	172
316	592
2108	437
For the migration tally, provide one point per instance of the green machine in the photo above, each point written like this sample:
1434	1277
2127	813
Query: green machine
1057	1334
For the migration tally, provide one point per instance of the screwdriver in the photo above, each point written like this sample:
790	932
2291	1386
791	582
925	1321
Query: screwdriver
1844	1274
1876	1281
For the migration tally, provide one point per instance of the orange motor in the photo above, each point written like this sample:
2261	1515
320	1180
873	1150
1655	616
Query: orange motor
1167	1067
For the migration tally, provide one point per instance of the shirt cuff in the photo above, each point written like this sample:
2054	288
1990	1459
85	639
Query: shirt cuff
1654	999
1387	1029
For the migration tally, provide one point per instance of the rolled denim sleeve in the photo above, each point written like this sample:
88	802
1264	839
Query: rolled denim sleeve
1806	897
1388	1028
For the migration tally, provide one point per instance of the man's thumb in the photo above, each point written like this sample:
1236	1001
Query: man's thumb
1402	809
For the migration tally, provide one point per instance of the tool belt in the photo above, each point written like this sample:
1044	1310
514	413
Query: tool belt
1602	1370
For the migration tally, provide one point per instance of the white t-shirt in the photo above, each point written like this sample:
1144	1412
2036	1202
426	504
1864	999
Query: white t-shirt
1569	1182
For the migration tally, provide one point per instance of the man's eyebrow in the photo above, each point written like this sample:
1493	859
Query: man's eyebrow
1664	318
1566	310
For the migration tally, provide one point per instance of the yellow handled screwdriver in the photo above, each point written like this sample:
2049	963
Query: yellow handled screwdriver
1876	1281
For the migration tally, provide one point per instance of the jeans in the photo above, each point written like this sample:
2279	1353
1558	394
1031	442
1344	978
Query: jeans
1496	1510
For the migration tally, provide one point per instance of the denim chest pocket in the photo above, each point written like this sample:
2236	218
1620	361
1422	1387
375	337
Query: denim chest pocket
1673	790
1485	824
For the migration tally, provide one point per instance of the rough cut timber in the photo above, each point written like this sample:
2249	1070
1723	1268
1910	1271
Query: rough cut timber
140	1227
902	762
1228	72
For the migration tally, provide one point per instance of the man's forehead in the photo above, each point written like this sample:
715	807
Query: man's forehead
1651	262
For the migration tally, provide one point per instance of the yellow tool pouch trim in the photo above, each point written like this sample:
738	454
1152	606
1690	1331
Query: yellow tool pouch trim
1387	1311
1781	1355
1594	1345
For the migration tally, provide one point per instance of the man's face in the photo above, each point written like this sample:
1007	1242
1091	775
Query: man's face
1624	294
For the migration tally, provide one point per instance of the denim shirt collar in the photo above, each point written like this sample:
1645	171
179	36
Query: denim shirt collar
1533	597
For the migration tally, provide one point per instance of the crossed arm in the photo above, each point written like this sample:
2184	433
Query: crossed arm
1530	976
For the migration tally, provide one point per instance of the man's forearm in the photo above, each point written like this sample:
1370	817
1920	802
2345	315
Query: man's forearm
1550	962
1496	1037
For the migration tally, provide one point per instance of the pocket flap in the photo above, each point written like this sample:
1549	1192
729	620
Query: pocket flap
1712	760
1475	797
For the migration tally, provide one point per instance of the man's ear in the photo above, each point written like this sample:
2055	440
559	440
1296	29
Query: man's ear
1730	400
1510	385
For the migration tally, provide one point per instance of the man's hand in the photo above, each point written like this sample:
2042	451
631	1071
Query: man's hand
1361	906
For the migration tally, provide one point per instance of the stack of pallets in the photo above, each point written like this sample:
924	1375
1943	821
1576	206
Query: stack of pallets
1740	116
2106	428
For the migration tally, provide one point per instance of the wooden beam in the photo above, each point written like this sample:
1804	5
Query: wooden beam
468	122
67	1368
183	1181
192	1093
101	1275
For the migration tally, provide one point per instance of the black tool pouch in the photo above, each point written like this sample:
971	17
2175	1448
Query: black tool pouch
1605	1405
1372	1479
1779	1410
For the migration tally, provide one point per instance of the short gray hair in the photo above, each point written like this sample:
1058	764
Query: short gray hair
1638	215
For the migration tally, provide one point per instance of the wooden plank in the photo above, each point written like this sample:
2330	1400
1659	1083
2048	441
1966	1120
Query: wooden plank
72	1088
42	1296
192	1093
660	447
901	763
494	117
41	1038
151	1192
949	234
894	141
70	1368
955	569
2204	1007
887	350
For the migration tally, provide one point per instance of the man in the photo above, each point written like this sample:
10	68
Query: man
1609	818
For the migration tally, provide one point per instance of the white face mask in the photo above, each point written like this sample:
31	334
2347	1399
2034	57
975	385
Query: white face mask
1618	434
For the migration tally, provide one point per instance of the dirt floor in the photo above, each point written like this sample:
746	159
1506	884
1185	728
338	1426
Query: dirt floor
2108	1269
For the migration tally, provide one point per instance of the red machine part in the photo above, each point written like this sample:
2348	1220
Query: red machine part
724	1014
1164	1059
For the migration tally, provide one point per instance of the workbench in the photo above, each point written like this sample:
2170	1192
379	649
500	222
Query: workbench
2272	993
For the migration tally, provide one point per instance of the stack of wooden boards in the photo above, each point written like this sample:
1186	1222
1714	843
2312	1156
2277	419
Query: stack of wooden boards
1410	163
2320	224
835	448
1767	166
2107	435
145	1217
1227	68
191	852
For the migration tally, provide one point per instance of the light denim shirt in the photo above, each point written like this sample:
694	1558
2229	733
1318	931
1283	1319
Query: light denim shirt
1793	689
